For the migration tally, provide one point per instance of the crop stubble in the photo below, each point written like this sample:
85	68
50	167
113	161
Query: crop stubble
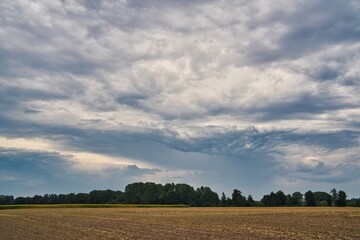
180	223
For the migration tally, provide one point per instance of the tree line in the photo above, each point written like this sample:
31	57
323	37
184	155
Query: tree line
334	198
170	193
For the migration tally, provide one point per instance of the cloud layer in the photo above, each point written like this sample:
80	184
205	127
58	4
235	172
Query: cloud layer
221	93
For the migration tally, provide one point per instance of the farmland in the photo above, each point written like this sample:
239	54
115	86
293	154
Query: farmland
180	223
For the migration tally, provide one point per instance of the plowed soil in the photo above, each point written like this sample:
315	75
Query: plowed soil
180	223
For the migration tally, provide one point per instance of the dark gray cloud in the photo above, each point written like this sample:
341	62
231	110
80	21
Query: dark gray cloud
312	26
13	97
25	172
306	106
217	140
36	172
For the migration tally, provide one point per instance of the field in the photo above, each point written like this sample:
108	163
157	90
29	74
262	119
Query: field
180	223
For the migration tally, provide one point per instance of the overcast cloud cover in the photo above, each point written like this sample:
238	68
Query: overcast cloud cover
255	95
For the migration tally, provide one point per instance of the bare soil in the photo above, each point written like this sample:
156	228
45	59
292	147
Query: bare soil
180	223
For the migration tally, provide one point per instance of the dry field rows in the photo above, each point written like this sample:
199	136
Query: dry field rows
181	223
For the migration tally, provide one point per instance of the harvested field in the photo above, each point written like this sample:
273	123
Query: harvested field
180	223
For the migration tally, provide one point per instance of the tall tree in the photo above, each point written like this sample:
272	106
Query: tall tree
223	199
309	198
8	199
299	197
251	200
237	198
134	192
282	198
290	200
206	197
341	199
334	196
271	199
322	198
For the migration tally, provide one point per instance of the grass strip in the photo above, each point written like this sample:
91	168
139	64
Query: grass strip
26	206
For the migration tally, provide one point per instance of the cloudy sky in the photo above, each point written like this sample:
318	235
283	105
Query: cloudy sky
255	95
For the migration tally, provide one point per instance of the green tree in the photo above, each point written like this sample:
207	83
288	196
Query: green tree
237	198
186	194
206	197
341	199
250	200
37	199
354	202
151	193
310	198
8	199
299	197
334	196
290	200
82	198
281	197
223	200
322	197
271	200
134	192
117	197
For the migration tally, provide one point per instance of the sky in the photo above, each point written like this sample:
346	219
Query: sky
254	95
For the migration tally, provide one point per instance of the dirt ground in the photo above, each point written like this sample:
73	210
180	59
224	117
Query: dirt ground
180	223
